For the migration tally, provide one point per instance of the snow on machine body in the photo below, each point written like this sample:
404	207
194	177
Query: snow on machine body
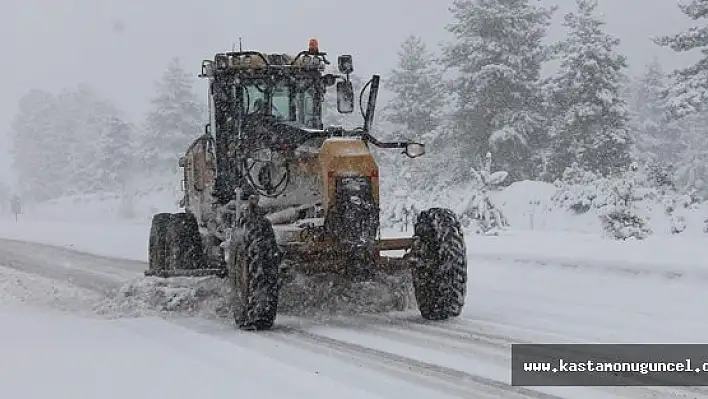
270	193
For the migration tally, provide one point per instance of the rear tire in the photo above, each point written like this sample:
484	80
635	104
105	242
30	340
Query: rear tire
260	262
439	265
184	243
157	245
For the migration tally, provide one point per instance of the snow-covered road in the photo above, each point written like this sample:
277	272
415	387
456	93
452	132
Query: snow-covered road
373	356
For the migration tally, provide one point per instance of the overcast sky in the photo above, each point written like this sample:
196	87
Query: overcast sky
120	47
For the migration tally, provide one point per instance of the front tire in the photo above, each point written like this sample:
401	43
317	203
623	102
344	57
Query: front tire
439	265
260	261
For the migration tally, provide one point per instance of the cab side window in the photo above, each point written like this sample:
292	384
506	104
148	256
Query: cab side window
305	101
253	96
281	103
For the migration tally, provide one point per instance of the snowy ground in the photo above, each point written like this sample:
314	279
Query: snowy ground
64	326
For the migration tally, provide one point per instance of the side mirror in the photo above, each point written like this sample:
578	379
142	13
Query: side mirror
207	68
414	150
182	161
329	80
345	97
346	64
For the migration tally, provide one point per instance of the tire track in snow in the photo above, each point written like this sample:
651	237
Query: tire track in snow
470	342
449	329
443	379
450	342
448	380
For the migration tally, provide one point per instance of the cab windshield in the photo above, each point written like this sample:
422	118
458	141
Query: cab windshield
286	100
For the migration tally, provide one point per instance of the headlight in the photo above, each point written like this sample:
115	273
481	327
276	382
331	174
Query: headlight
414	150
355	183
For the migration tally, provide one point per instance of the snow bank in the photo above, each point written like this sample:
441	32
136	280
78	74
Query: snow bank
92	223
119	239
668	256
545	207
104	207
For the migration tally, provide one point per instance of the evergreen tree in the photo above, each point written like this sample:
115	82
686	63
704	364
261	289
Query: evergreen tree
59	143
89	117
498	53
419	92
81	119
116	150
69	117
37	153
692	163
176	119
689	92
591	120
657	138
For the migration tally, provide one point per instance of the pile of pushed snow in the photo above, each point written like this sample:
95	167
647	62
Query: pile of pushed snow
154	296
212	297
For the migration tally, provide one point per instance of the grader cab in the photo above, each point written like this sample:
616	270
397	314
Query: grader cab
269	192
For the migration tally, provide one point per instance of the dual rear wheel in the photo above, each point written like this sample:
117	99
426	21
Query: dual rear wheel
175	244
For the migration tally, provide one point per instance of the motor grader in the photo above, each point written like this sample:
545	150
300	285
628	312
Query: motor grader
267	185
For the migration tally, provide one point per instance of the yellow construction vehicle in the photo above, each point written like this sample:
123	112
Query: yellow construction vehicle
268	185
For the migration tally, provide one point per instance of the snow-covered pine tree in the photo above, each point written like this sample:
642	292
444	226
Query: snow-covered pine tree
69	117
692	163
177	117
689	91
58	143
657	137
39	156
419	92
687	96
83	119
620	217
480	212
414	112
117	156
498	53
591	120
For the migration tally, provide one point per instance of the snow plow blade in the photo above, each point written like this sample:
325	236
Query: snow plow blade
186	273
